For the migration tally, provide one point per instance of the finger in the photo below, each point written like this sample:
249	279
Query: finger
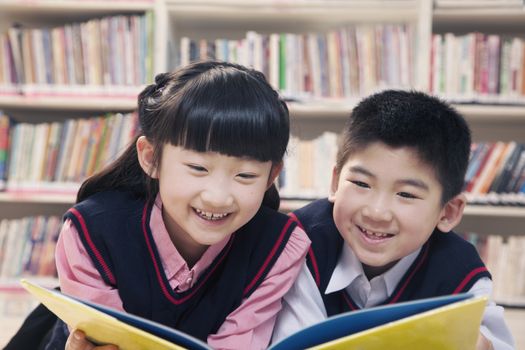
77	341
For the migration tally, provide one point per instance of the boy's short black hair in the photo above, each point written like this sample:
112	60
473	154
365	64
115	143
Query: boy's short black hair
438	133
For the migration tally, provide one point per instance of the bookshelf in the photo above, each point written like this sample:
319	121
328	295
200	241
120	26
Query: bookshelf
490	119
60	98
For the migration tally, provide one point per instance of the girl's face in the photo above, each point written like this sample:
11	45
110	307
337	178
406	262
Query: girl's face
387	204
208	196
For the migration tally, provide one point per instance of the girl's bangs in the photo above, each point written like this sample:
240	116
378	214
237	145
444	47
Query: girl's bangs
239	124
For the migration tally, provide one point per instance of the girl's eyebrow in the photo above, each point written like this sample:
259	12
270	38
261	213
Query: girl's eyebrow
411	182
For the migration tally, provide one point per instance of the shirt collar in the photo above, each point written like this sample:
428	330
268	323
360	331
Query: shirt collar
172	261
349	268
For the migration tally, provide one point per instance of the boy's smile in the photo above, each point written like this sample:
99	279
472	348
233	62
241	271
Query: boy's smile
387	203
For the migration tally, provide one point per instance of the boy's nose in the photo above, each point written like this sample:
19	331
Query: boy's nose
377	213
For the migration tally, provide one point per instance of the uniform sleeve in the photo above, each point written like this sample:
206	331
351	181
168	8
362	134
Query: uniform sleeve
77	274
302	307
252	323
493	326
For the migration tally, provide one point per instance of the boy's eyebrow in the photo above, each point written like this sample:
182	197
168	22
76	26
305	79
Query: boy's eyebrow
416	183
411	182
359	169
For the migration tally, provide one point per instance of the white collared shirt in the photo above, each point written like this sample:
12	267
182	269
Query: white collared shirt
348	274
303	304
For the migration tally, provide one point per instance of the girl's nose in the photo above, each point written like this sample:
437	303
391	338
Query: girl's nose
217	196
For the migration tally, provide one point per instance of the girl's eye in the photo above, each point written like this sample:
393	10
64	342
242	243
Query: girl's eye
196	167
360	184
407	195
247	176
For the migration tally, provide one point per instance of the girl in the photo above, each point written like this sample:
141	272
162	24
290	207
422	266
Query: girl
183	228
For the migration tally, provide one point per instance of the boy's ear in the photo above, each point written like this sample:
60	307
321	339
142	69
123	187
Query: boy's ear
334	184
145	151
452	213
274	172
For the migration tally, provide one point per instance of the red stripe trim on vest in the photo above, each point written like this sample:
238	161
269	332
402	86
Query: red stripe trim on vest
469	278
317	276
398	295
269	257
92	246
315	266
348	302
163	286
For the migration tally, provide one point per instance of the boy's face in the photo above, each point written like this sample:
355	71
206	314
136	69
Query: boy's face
387	203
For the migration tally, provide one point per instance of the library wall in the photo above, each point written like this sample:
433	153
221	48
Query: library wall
73	72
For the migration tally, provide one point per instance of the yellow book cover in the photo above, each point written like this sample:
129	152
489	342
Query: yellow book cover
448	322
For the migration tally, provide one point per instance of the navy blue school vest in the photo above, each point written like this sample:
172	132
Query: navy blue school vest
447	264
114	228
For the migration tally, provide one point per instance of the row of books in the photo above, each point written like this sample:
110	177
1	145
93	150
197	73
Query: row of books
27	246
495	168
49	156
505	259
307	166
495	175
108	51
477	67
347	62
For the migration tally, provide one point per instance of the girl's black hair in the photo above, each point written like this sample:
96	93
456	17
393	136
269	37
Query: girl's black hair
205	106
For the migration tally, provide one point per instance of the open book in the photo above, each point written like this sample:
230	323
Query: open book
449	322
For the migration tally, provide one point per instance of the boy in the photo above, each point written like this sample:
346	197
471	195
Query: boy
383	235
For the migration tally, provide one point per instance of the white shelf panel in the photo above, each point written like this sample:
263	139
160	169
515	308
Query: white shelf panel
68	103
72	7
255	12
496	211
482	15
37	198
472	112
481	112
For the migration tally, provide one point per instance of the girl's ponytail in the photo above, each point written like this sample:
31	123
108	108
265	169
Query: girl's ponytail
124	173
271	198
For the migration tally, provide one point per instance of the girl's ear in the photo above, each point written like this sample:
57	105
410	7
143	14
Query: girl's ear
274	172
145	151
334	185
452	213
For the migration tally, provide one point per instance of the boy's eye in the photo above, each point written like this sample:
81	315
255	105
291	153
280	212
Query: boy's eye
407	195
360	184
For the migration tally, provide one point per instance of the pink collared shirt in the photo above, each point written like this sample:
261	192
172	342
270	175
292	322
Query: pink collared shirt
250	326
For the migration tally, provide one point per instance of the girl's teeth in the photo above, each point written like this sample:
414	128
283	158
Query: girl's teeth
211	216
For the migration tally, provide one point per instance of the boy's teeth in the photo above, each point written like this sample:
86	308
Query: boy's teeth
376	234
